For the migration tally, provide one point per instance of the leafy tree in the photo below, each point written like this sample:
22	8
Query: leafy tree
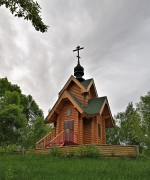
21	120
7	86
27	9
130	125
129	130
113	135
12	120
143	108
30	108
35	132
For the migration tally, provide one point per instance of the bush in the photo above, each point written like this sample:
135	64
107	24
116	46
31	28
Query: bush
89	151
9	148
54	151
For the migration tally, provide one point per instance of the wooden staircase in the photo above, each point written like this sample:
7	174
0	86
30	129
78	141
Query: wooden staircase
65	138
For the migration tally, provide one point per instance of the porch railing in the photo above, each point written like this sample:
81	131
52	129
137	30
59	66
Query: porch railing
42	143
62	138
66	136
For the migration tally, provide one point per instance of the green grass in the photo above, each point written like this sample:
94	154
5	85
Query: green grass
45	166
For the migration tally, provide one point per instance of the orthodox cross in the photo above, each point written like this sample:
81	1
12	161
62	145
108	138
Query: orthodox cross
78	48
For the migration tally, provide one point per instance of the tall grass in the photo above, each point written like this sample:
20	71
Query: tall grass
48	167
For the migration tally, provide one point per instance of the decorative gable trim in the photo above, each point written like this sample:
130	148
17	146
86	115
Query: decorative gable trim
64	95
90	85
72	78
102	109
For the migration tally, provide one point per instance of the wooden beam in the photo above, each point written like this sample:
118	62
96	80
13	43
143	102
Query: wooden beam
106	116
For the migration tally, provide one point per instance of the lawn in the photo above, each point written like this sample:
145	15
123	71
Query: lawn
45	166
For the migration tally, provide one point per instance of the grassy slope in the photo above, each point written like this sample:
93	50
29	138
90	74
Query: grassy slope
42	167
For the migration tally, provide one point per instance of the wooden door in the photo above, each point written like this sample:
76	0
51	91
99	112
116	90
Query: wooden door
87	131
69	128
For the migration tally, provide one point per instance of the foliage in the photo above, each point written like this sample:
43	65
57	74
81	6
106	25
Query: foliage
113	135
91	151
27	9
31	109
88	151
35	132
54	151
143	108
21	120
130	126
9	148
44	166
133	126
128	129
12	120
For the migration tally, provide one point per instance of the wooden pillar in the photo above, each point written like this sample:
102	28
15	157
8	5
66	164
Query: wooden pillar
96	131
92	131
103	132
57	126
80	134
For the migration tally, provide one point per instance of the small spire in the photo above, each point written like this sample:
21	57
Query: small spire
78	70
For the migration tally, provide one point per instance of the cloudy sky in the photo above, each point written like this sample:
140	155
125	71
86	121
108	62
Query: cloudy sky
116	40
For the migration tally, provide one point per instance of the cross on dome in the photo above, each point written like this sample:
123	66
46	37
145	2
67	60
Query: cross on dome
78	70
78	48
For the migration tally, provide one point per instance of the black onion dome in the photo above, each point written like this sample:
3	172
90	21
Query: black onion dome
79	72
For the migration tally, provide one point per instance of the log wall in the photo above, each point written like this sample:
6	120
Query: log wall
75	90
87	131
63	117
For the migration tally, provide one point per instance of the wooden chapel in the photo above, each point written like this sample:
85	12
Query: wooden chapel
79	115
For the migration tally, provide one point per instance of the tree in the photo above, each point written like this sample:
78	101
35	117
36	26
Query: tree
27	9
128	130
143	108
12	120
21	120
113	135
35	132
30	109
130	126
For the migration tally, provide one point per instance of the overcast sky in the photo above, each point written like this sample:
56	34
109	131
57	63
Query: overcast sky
116	40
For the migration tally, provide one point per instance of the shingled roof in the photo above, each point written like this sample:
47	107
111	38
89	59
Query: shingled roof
94	105
86	82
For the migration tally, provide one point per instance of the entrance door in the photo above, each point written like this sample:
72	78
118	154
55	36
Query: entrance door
69	128
87	139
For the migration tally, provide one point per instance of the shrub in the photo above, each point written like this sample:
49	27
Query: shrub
54	151
89	151
9	148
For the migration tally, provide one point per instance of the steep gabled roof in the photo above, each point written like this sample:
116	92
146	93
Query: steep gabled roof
72	78
64	95
84	85
86	82
94	105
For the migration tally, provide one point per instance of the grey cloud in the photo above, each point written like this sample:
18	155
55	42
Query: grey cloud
116	37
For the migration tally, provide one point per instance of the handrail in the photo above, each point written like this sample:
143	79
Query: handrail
44	137
56	136
49	140
64	136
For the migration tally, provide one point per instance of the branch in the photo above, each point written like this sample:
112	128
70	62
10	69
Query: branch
27	9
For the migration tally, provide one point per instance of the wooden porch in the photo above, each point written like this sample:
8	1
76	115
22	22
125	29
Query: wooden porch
66	144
